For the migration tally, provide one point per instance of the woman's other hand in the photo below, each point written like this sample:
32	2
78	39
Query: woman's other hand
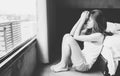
84	15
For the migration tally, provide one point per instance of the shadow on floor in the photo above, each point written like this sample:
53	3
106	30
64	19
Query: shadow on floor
44	70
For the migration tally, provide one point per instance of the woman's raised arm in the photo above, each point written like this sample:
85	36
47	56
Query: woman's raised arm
74	27
80	22
91	37
84	17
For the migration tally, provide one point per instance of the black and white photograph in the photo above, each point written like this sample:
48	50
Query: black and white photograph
59	38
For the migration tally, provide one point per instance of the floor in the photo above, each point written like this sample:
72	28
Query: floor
44	70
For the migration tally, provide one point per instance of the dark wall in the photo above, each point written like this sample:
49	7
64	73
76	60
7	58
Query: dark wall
52	34
63	14
89	3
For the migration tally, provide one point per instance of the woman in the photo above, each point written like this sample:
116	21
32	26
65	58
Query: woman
90	29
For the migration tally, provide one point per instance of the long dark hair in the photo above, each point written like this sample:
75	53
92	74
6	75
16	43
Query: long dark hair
100	21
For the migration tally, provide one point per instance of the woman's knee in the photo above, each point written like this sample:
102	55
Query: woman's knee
66	35
68	38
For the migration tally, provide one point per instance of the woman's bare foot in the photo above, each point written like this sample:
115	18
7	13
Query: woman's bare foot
59	67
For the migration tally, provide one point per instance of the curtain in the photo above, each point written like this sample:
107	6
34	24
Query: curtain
42	31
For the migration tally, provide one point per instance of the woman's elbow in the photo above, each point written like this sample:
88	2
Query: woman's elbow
75	36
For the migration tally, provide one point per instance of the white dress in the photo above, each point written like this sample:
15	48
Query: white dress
91	51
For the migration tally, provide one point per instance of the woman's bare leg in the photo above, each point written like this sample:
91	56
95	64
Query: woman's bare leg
63	64
77	58
70	49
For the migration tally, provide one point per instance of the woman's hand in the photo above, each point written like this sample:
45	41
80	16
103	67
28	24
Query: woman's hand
80	23
84	15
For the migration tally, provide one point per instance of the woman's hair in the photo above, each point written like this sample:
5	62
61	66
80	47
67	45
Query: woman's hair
100	22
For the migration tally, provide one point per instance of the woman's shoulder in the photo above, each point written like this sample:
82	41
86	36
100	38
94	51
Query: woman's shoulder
99	38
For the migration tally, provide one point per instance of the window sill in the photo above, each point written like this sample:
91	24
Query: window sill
16	50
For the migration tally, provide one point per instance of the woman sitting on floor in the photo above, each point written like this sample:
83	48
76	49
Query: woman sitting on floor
89	29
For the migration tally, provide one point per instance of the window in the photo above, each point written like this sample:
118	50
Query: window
17	23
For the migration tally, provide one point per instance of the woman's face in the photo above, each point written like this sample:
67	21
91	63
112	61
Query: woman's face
90	23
